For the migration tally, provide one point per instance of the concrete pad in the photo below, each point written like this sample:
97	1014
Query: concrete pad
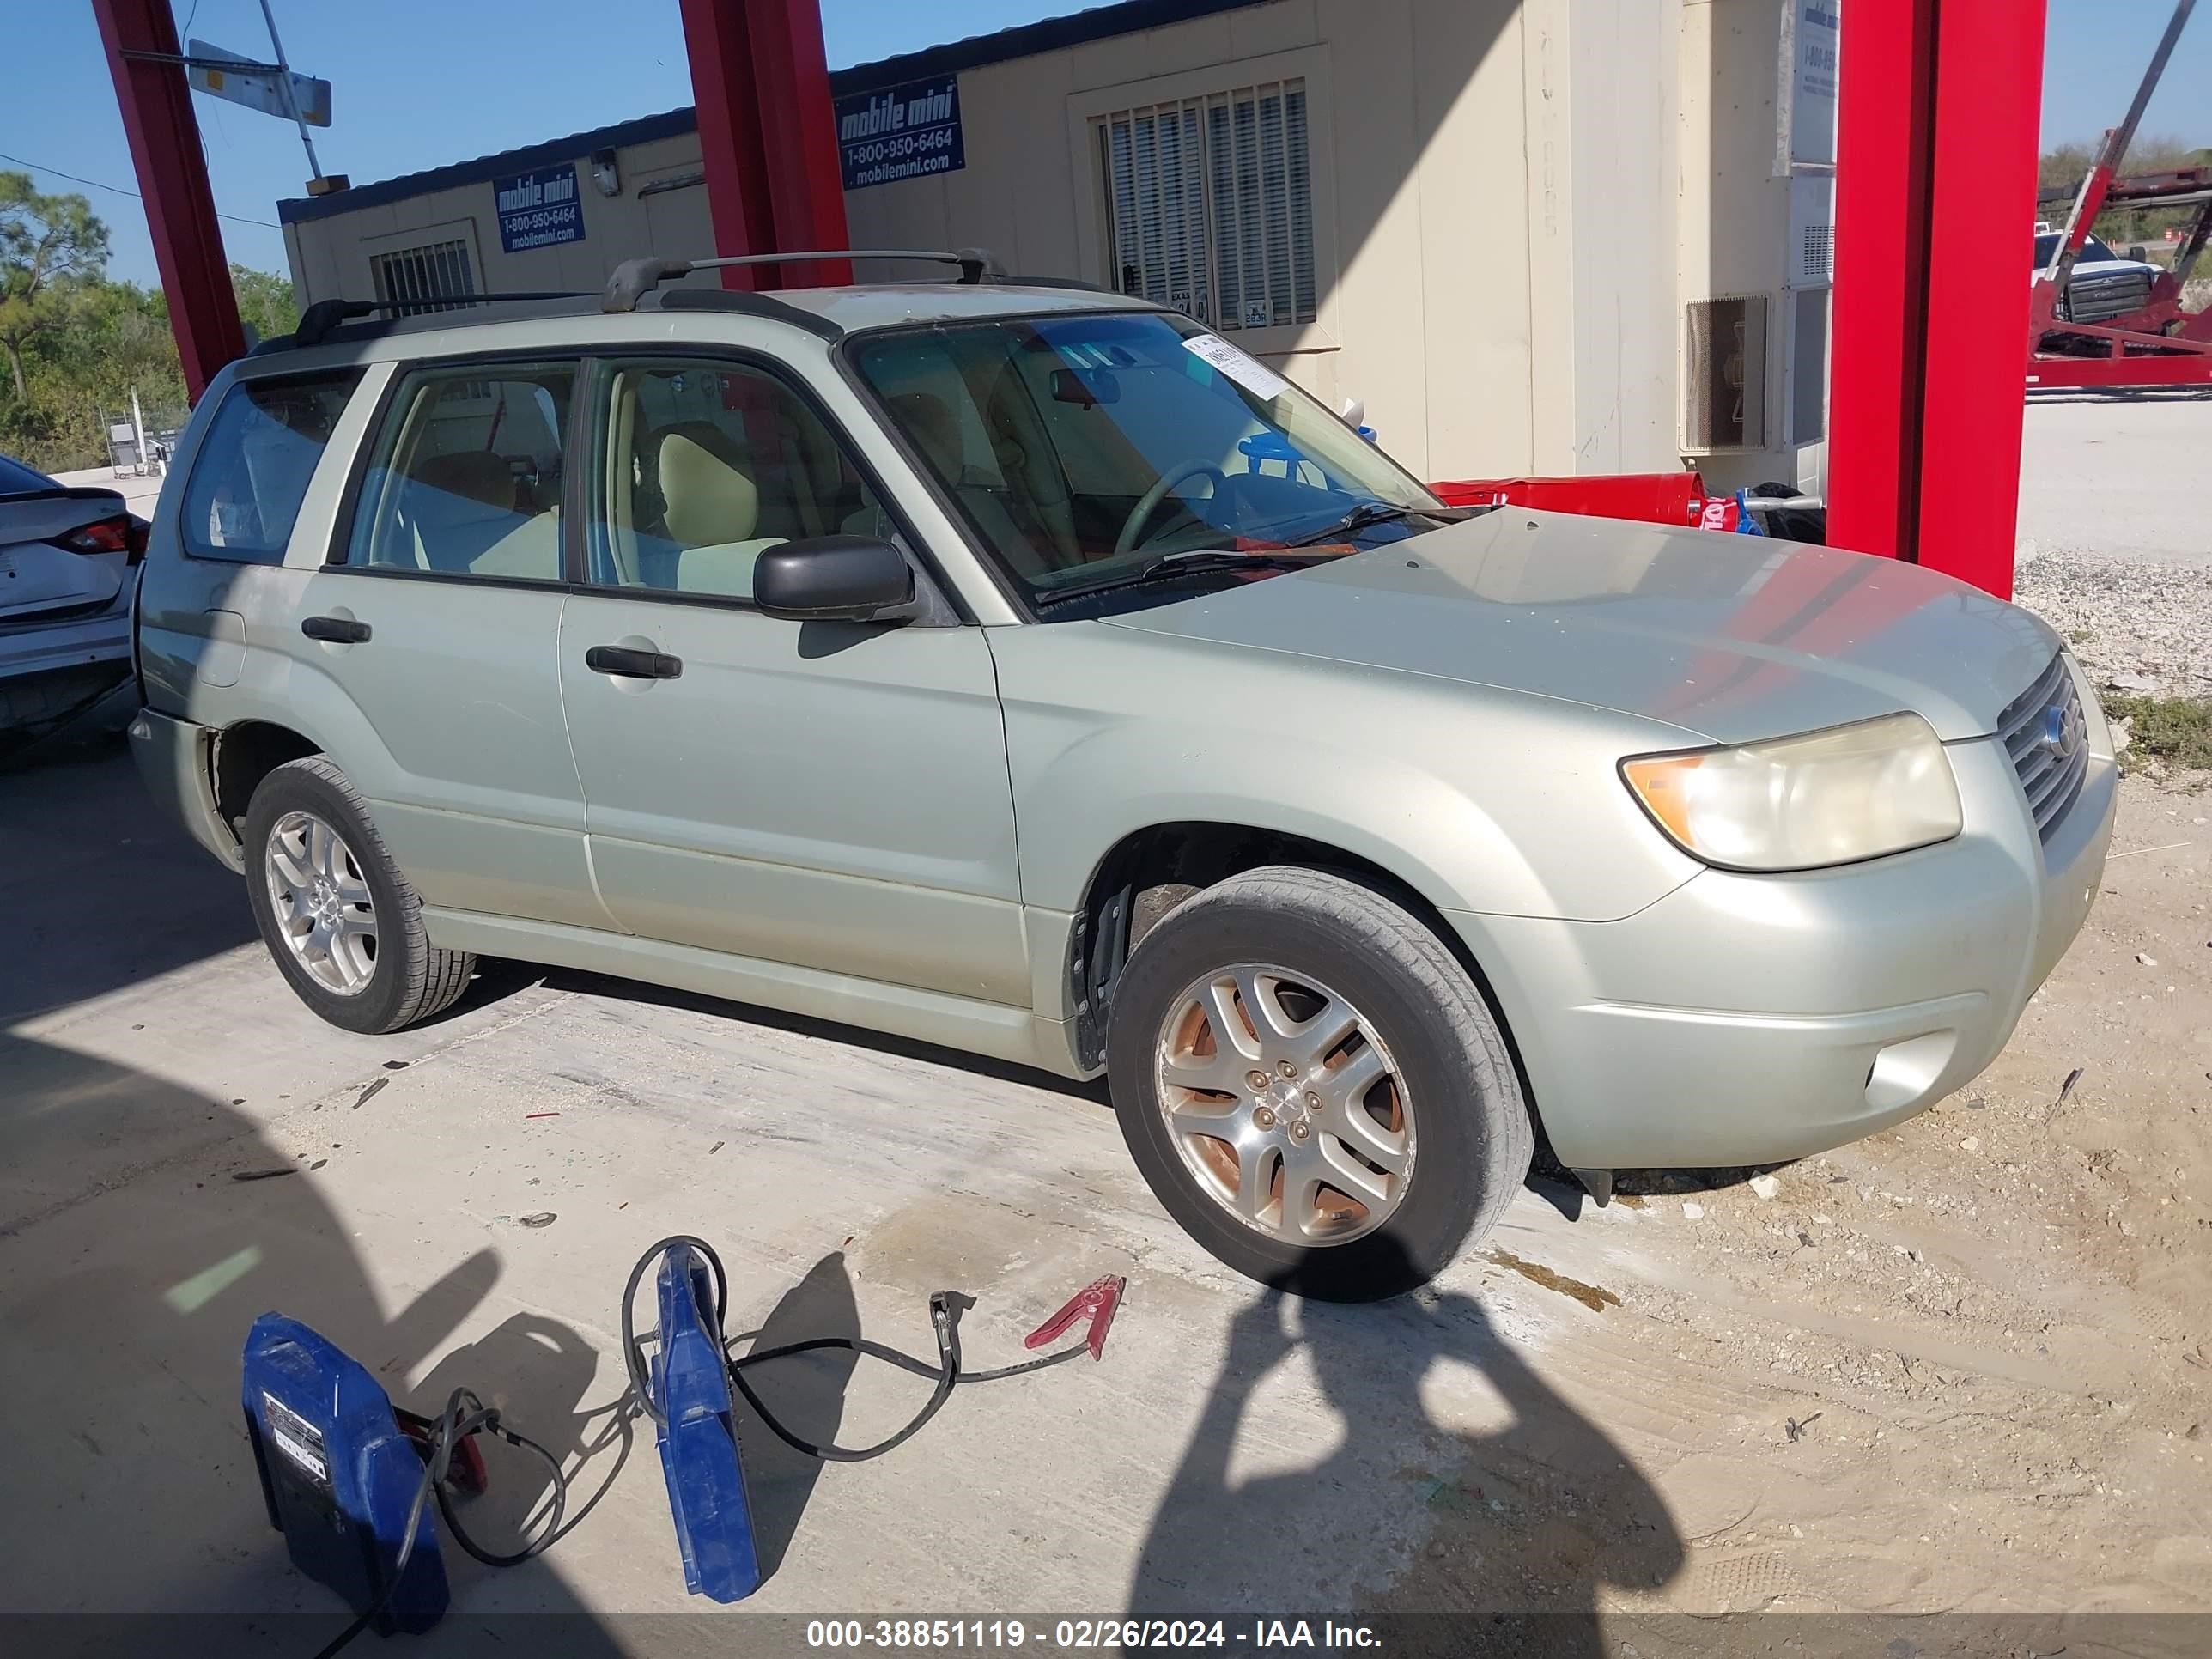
1608	1414
2121	475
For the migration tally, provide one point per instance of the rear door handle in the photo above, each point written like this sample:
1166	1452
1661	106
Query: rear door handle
337	630
628	663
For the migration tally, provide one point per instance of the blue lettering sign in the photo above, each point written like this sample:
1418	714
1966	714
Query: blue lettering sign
902	132
538	209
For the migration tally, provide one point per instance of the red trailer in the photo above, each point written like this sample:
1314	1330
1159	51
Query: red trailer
2157	343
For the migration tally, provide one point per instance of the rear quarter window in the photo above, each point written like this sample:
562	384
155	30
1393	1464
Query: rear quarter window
254	466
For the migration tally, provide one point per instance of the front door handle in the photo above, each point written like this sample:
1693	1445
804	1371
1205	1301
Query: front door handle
627	663
337	630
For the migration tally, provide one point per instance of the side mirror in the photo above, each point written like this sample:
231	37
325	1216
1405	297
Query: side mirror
833	579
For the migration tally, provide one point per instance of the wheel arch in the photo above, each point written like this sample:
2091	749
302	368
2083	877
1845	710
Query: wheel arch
1195	854
243	753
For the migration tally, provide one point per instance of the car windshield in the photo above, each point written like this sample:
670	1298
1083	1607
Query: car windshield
1132	451
16	479
2091	250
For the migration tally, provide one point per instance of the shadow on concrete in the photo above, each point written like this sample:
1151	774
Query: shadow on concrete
2037	396
806	1392
1522	1521
858	1036
100	891
136	1521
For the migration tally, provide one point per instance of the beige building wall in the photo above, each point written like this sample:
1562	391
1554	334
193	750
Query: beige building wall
1512	198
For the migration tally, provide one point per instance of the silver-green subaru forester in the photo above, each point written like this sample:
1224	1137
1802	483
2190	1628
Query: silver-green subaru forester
1027	669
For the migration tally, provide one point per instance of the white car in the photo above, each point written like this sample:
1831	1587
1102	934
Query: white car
69	559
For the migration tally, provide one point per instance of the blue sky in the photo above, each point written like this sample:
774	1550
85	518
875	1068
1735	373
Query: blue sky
439	81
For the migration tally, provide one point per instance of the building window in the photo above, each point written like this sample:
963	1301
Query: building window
1210	205
439	271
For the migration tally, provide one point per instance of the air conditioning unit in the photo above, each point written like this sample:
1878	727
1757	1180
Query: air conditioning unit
1724	375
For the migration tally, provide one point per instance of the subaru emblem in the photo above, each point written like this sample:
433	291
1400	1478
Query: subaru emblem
2057	730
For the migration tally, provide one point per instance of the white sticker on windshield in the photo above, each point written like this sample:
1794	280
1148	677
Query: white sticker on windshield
1247	371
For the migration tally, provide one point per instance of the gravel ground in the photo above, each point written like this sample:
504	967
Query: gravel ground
2128	622
2115	540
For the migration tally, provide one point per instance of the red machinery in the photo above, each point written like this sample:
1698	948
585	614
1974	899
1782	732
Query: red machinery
2157	343
1648	497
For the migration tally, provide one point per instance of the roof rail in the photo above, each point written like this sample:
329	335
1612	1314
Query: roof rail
635	278
320	319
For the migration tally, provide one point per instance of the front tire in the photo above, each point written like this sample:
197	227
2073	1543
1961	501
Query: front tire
340	920
1313	1086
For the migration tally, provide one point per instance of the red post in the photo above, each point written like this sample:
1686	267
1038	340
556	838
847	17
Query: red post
798	126
1988	105
760	79
165	149
1939	102
1884	122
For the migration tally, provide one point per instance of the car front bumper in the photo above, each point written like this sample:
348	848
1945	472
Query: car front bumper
1749	1019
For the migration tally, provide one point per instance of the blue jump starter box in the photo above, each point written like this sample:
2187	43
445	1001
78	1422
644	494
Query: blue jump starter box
698	1441
339	1474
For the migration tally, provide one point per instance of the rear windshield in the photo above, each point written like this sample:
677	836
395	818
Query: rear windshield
16	479
255	464
2045	247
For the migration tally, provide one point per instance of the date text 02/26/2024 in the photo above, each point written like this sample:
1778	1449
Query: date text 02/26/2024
1080	1635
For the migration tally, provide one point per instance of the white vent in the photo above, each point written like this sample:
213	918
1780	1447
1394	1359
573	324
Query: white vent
1812	248
1816	255
1724	375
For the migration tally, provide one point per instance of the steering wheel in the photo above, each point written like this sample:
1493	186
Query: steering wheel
1149	503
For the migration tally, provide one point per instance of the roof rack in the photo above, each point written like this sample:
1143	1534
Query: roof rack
317	321
635	278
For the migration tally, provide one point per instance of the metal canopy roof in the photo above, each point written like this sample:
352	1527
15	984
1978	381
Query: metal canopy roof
1025	40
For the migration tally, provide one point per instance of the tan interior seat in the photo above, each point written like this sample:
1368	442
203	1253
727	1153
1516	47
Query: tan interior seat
711	506
463	511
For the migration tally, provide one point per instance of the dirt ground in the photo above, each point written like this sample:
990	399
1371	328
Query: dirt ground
1959	1369
1964	1365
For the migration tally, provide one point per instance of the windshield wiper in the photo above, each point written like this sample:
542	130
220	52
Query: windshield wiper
1368	513
1193	561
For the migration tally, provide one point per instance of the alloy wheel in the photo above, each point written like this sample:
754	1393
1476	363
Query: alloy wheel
1284	1105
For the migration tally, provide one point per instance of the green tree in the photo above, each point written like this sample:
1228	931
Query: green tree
267	303
2060	171
50	247
79	345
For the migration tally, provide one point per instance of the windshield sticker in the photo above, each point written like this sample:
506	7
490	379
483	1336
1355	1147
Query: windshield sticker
1248	372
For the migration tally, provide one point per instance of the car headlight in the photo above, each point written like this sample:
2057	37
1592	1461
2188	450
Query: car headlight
1834	797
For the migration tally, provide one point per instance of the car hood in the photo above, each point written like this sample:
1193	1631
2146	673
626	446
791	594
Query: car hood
1733	638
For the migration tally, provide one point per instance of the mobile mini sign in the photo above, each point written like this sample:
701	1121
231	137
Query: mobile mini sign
903	132
538	209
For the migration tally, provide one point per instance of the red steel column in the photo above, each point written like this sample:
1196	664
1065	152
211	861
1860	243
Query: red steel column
799	131
1937	133
1989	111
1884	121
165	149
760	79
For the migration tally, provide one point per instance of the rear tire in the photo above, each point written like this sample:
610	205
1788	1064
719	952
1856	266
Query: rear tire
340	920
1320	955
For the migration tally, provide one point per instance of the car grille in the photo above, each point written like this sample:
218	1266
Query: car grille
2094	298
2047	735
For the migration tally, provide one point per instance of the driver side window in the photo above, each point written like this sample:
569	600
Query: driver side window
708	465
466	475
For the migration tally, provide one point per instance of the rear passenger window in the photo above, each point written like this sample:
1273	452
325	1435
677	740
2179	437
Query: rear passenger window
708	466
255	462
465	477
